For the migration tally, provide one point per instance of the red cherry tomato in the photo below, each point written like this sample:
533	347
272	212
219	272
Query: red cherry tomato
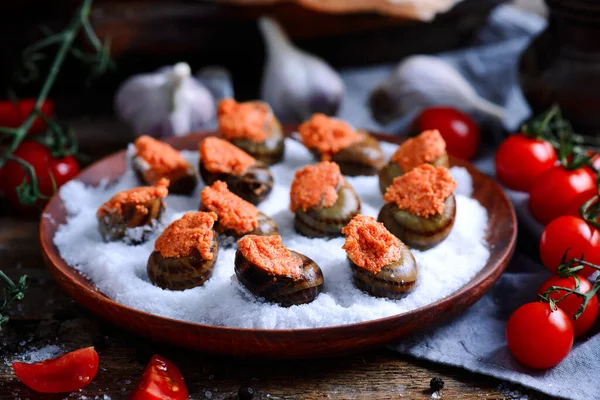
539	337
572	234
67	373
555	190
161	380
459	131
571	304
520	160
12	114
46	167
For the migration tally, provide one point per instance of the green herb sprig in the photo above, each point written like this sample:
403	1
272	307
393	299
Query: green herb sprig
59	139
10	293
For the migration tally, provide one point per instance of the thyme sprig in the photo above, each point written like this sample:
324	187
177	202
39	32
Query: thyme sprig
10	293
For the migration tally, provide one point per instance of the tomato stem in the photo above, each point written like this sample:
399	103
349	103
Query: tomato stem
537	127
586	297
65	142
569	269
574	265
572	148
590	211
29	190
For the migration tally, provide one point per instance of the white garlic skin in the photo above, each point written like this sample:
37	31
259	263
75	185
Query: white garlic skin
168	102
424	81
295	83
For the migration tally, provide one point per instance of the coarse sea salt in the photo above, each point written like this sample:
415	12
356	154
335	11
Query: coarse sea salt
34	354
119	270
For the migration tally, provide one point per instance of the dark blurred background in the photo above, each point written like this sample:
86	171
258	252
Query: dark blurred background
147	34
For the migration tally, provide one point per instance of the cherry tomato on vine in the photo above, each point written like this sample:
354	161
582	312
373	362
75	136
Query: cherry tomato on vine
13	114
579	201
521	159
538	336
161	380
49	170
555	190
571	304
66	373
572	234
459	130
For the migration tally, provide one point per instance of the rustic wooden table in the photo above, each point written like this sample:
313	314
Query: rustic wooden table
47	316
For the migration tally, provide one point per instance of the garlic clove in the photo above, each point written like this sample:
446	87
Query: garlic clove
166	102
423	81
295	83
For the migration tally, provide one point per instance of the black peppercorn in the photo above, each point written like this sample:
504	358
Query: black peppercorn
436	384
246	393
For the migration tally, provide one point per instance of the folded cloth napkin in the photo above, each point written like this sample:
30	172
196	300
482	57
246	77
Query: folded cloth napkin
489	64
476	340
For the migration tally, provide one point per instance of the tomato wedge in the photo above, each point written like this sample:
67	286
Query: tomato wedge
161	380
66	373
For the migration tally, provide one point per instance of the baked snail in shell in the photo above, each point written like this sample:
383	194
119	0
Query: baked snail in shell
132	215
152	160
428	147
330	139
381	264
322	201
252	127
185	253
236	216
245	176
420	206
271	271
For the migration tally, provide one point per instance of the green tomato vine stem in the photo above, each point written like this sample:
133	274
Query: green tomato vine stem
64	142
569	269
66	39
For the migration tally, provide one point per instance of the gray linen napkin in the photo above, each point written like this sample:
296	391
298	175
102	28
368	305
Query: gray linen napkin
476	340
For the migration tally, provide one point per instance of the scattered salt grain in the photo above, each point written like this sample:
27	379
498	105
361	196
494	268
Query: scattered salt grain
119	270
509	390
34	355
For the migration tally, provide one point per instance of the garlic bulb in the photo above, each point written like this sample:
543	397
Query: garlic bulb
168	102
218	82
424	81
296	84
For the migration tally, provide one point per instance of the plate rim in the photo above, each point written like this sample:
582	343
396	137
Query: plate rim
58	265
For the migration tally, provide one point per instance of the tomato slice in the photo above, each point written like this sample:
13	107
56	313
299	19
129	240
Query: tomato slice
161	380
66	373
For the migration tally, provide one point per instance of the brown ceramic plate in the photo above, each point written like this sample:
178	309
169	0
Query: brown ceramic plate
298	343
